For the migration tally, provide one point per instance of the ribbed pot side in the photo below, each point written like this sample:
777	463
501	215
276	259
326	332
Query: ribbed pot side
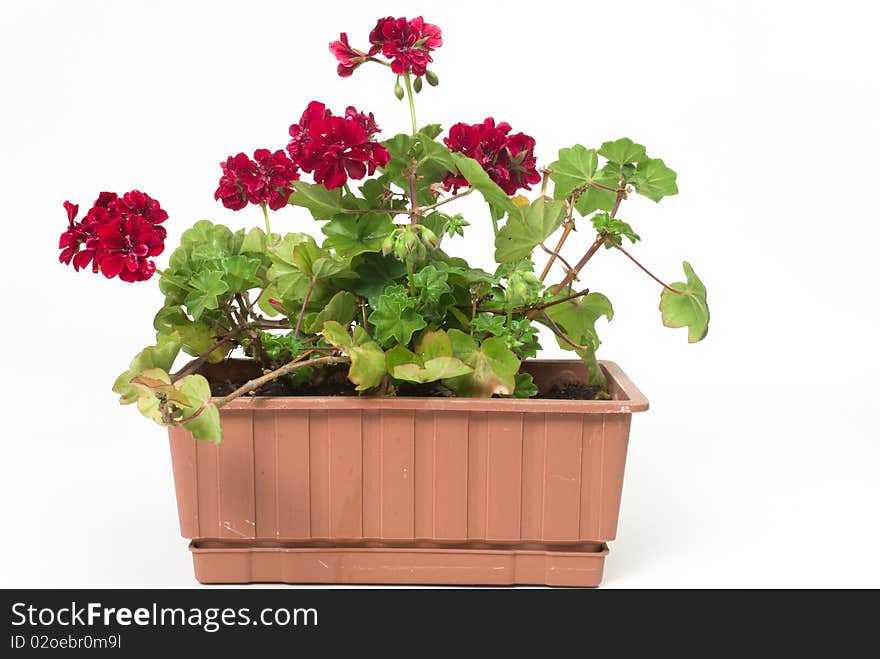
409	490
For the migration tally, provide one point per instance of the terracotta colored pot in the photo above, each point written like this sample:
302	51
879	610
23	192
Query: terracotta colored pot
408	490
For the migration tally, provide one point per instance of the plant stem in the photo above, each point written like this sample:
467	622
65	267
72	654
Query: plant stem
544	180
553	255
573	273
646	271
266	217
603	187
299	362
302	311
398	211
569	226
562	335
410	274
534	307
193	365
494	222
264	323
412	105
413	200
446	201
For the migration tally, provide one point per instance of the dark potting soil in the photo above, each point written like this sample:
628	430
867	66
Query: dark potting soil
337	384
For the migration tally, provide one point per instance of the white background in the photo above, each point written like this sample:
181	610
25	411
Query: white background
758	462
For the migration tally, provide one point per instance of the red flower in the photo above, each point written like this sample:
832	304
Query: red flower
336	148
408	44
265	180
231	191
271	182
508	159
117	236
126	245
349	58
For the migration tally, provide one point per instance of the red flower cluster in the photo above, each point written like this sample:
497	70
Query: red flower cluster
407	43
336	148
508	159
264	180
117	236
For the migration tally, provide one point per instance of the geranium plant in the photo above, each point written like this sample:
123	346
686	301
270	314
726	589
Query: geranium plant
379	301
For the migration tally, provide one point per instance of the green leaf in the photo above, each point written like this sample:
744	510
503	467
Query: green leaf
688	308
341	308
161	356
241	272
206	426
321	202
478	179
431	131
432	282
654	179
623	151
206	240
576	168
524	231
494	366
195	336
254	242
367	358
399	355
204	417
394	317
400	151
525	386
595	375
281	251
209	286
577	318
435	159
439	368
616	229
351	236
375	272
434	344
433	362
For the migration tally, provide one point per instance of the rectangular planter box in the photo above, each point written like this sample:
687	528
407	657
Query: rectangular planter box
409	490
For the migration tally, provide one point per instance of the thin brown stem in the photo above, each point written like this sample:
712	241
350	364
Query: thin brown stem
431	207
569	227
364	315
645	270
414	202
535	308
194	364
603	187
290	367
265	323
302	311
572	274
562	335
391	211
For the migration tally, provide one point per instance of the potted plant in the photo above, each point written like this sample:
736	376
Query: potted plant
386	420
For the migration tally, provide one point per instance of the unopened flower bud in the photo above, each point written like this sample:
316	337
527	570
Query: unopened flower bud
398	90
417	85
388	244
429	238
432	78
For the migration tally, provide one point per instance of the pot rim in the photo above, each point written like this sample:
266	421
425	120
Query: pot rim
626	399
